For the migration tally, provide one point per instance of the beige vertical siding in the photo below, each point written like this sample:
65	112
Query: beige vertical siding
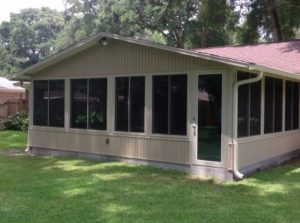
166	150
124	58
252	151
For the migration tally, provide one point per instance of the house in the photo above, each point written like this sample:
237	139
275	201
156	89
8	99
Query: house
12	99
10	92
218	112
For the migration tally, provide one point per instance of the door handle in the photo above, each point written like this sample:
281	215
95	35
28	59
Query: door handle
194	129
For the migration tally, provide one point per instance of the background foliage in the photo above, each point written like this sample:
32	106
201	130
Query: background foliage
33	34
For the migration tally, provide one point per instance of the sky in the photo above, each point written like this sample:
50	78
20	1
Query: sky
8	6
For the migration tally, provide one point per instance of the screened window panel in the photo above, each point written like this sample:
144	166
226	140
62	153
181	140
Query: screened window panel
255	105
122	102
40	103
178	104
79	103
137	104
160	104
278	105
249	107
296	106
269	98
273	105
243	106
170	104
97	103
288	104
56	103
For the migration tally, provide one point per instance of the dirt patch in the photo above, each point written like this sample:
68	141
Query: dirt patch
13	152
292	161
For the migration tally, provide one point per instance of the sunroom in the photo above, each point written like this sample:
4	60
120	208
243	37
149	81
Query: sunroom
137	101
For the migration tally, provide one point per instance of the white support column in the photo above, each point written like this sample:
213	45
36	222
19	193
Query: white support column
148	105
262	107
299	106
110	104
67	104
30	103
283	105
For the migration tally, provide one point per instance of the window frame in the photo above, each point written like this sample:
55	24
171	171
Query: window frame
32	107
249	89
114	124
264	135
293	83
85	130
188	95
274	131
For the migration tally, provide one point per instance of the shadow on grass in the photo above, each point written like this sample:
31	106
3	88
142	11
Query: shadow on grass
64	190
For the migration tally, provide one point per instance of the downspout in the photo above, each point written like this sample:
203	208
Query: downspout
234	144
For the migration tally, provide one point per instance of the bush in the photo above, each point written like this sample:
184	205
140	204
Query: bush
18	121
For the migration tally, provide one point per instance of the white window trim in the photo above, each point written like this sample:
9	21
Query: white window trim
283	132
31	106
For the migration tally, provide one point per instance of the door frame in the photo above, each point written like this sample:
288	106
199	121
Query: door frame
224	117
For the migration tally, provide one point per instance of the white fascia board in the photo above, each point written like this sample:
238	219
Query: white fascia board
275	71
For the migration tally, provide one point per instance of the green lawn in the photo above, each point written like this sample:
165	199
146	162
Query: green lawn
39	189
12	140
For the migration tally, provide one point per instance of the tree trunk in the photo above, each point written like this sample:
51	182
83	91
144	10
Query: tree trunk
276	27
179	39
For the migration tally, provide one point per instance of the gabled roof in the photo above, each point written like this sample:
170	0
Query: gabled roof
213	54
283	56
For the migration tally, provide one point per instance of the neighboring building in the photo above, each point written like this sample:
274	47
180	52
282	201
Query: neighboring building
10	92
12	99
216	112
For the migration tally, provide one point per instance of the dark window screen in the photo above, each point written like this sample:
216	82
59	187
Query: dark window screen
178	104
97	103
170	104
278	105
79	103
296	106
122	100
249	98
130	104
56	103
137	104
273	105
40	103
160	104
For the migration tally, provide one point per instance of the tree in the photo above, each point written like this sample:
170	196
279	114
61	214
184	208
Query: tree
29	35
191	23
270	20
8	63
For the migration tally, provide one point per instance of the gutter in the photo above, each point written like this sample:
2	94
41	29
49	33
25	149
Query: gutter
234	143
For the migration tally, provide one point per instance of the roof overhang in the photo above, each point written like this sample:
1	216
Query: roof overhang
95	39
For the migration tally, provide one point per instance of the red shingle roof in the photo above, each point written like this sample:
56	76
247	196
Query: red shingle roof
284	56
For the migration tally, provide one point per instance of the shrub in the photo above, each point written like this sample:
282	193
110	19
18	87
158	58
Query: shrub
18	121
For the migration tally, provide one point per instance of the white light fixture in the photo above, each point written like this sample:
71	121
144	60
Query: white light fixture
103	41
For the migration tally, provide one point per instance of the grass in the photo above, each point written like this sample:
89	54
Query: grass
12	140
47	189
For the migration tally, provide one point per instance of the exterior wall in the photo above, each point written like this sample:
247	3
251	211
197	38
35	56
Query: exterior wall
257	149
254	150
124	58
166	150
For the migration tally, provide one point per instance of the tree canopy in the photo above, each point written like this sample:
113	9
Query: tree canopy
33	34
